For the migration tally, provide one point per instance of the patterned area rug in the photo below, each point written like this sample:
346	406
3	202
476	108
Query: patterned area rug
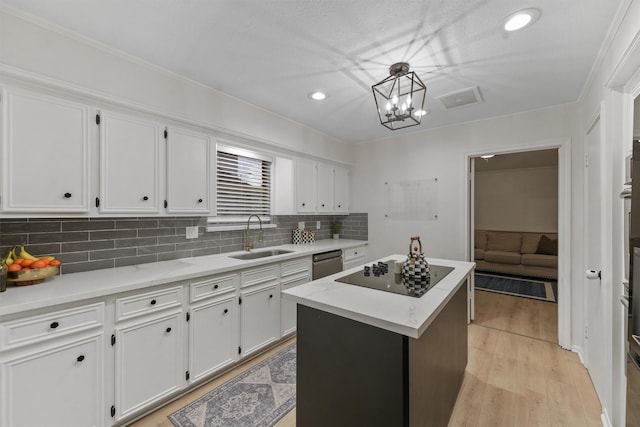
258	397
545	290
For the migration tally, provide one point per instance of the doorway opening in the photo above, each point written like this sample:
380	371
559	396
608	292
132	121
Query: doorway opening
515	220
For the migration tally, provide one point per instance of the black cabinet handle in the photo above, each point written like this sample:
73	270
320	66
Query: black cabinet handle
304	204
323	205
145	198
339	206
226	310
270	296
80	358
215	287
199	200
153	302
54	325
168	330
67	195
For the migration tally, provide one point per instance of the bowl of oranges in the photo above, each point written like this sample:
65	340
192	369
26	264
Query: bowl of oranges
26	269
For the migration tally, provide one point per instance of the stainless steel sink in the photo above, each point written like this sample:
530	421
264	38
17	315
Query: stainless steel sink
260	254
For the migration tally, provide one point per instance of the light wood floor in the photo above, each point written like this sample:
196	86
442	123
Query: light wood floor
511	379
523	316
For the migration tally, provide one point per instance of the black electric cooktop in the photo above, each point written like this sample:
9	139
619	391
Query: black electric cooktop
382	276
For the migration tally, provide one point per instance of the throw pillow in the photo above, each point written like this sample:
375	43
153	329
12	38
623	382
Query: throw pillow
547	246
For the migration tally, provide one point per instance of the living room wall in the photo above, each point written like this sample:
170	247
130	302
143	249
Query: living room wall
517	200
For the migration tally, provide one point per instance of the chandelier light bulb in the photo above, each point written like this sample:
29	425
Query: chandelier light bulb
395	100
409	100
388	106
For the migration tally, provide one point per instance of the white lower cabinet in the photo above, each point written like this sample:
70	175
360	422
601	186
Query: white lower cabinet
213	335
260	317
354	257
54	385
294	273
148	361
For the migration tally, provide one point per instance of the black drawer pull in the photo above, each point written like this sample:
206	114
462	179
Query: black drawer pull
153	302
270	296
226	310
339	206
215	287
54	325
199	200
168	330
323	205
304	204
67	195
145	198
80	358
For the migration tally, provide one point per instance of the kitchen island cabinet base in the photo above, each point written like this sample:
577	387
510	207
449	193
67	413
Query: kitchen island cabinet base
350	373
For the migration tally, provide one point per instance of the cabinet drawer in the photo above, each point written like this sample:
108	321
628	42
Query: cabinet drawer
150	302
259	275
296	266
50	325
211	286
352	253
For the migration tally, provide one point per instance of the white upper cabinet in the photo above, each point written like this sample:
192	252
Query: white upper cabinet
340	190
45	152
321	188
325	188
305	186
188	172
129	164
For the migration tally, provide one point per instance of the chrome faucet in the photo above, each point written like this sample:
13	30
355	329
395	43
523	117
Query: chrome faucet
247	234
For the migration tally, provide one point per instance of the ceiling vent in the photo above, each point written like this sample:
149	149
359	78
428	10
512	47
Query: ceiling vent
461	98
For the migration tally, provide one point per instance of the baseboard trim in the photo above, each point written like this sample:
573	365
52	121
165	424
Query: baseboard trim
578	350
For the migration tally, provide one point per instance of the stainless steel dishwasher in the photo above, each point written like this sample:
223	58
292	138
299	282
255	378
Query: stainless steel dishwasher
327	263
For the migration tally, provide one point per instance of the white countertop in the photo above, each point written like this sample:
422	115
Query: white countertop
394	312
75	287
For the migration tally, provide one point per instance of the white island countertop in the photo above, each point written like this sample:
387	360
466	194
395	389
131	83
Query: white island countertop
68	288
397	313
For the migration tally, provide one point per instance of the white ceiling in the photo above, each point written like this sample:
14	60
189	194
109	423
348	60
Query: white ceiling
272	53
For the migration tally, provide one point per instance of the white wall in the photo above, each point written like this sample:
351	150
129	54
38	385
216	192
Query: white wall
33	50
441	153
517	199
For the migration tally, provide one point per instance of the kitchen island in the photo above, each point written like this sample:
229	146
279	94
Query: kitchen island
375	358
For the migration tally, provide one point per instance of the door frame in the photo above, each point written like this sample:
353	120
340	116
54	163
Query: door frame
563	145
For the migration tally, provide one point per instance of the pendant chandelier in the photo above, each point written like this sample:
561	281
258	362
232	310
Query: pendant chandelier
400	98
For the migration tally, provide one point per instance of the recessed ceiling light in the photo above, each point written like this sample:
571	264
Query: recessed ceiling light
318	96
519	20
421	113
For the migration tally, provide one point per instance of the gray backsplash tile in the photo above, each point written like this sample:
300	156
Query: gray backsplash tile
94	244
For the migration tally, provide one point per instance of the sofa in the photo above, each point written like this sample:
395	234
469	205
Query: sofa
517	253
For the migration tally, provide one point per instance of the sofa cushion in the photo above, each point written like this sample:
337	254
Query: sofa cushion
539	260
530	243
480	239
547	246
479	253
502	257
507	242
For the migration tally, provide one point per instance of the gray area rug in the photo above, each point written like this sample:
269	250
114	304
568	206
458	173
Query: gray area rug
545	290
259	396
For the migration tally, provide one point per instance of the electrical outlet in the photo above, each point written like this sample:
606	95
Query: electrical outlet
317	225
192	232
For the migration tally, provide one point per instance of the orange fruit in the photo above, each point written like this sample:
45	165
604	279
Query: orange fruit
39	264
54	262
14	267
26	262
19	261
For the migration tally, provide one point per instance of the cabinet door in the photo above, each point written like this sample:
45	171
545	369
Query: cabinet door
260	314
57	386
213	336
148	362
129	164
45	153
188	169
305	186
288	308
340	190
325	188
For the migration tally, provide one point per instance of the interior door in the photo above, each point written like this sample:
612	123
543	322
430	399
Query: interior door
597	342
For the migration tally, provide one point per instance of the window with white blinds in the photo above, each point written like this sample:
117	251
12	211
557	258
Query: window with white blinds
243	181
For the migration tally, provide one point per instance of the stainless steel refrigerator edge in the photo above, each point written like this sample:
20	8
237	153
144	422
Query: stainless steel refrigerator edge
633	325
